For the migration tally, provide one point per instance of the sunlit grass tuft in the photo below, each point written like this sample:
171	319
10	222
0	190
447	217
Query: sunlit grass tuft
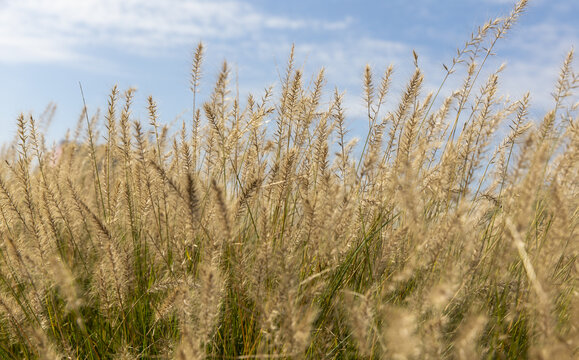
226	238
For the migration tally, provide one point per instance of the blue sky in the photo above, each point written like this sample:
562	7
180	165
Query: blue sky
48	46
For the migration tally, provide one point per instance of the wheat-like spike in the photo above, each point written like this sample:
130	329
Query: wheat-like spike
374	147
518	128
10	203
92	138
220	92
217	128
195	147
125	125
475	131
192	198
38	146
321	148
398	117
44	121
185	150
567	168
369	92
339	120
166	178
246	194
317	90
286	81
436	127
196	74
308	115
111	147
113	266
289	113
158	155
223	211
373	111
23	175
383	90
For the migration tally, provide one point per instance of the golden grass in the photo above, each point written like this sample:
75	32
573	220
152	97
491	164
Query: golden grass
219	240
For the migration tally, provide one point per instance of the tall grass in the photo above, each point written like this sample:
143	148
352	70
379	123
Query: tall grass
229	238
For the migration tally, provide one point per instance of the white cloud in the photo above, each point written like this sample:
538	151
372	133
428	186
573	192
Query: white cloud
40	30
534	55
63	30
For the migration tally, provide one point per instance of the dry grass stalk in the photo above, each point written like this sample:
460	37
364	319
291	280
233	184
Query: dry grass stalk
231	239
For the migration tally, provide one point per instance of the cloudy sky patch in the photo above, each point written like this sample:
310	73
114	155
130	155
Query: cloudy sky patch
48	46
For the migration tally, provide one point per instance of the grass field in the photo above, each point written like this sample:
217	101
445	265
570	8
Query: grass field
263	230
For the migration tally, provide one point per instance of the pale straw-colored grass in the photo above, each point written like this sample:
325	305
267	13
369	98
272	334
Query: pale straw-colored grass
228	239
